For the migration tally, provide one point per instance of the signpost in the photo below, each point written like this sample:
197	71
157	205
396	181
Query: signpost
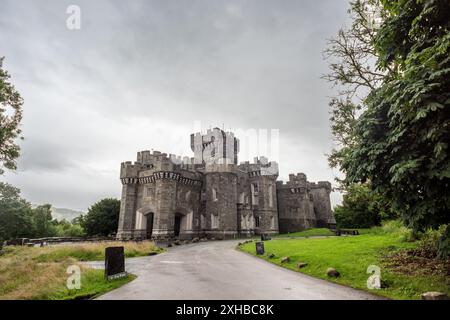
114	263
259	247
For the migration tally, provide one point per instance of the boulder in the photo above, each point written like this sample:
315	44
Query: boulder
332	272
434	295
301	265
177	242
195	240
169	245
271	256
285	260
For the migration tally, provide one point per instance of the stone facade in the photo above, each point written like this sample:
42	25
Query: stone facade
211	195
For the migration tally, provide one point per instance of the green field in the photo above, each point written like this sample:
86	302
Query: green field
40	273
351	255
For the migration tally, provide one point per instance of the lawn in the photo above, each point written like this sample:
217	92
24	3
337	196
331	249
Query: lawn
323	232
351	255
40	273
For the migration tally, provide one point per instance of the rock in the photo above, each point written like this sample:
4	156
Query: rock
271	256
153	253
332	272
195	240
434	295
169	245
176	242
285	260
301	265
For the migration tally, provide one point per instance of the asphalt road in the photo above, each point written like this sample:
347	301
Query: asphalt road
215	270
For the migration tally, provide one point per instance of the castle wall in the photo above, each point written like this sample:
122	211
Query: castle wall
295	211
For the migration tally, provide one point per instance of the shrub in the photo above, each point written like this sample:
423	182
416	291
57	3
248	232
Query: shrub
361	208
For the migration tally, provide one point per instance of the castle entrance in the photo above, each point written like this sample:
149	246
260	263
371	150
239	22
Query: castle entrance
149	225
177	225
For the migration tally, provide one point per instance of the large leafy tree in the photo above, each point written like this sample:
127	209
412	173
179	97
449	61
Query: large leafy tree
102	218
10	118
401	140
353	71
16	214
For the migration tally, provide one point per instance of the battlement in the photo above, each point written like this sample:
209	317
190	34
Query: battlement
297	177
299	180
320	185
260	167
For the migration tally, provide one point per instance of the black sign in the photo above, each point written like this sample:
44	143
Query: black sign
114	263
260	248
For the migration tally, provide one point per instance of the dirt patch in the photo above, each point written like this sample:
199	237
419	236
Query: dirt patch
416	262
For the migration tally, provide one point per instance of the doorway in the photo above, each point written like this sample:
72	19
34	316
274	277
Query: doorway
177	225
149	225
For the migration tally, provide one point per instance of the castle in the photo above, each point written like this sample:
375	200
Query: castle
211	195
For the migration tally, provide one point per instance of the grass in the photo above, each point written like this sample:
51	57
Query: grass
351	255
92	251
307	233
40	273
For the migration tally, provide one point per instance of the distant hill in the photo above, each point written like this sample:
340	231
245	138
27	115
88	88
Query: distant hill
64	213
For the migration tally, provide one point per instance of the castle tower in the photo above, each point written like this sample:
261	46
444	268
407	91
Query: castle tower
129	179
221	200
263	176
215	147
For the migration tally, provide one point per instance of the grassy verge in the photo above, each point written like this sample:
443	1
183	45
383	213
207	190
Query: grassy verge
40	273
351	256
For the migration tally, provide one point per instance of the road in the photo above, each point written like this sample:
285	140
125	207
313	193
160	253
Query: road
215	270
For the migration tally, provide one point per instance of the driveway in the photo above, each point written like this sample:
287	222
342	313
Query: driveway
215	270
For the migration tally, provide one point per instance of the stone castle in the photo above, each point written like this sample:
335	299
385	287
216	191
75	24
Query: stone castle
211	195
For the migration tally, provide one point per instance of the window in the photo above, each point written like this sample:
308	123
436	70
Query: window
202	222
256	222
270	196
272	222
188	195
214	195
242	198
148	192
254	188
189	221
214	221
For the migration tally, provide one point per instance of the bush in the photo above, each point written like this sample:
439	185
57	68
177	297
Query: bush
362	208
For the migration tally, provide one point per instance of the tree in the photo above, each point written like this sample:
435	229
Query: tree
102	218
10	117
362	208
16	215
400	141
66	229
352	66
43	221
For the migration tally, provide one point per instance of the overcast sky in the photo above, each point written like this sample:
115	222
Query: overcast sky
139	73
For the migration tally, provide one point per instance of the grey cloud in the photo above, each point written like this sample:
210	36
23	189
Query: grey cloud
247	64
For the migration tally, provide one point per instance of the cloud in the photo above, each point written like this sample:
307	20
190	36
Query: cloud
137	75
